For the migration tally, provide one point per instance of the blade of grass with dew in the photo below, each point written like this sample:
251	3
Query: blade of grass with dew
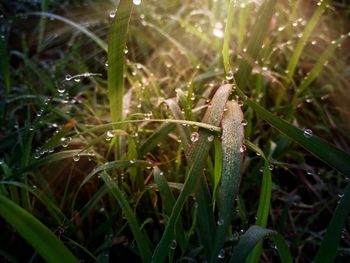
49	247
198	157
80	28
318	67
293	61
328	249
141	240
232	143
255	42
325	151
217	168
227	35
53	209
249	240
116	55
168	203
5	65
42	24
50	158
152	141
263	210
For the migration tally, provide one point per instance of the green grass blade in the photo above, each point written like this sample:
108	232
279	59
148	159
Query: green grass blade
141	240
168	200
255	234
293	61
232	143
213	116
42	23
227	36
255	42
5	65
325	151
263	210
49	247
116	46
330	242
80	28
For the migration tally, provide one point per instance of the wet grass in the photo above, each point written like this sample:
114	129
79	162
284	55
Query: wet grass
175	131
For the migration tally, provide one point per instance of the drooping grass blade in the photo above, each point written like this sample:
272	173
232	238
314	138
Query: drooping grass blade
249	240
232	151
49	247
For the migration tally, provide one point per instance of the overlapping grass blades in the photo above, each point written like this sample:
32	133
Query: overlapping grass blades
49	247
232	151
254	235
213	116
255	42
116	56
141	240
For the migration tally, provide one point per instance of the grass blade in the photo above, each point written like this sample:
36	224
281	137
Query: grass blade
255	42
329	245
232	143
325	151
49	247
80	28
213	116
116	47
141	240
227	36
249	240
263	210
5	65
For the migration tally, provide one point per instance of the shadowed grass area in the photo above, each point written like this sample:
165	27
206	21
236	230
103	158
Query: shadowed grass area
174	131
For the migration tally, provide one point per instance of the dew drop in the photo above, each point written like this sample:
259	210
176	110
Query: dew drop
210	138
340	195
281	28
68	77
221	254
110	134
77	79
244	122
308	133
61	89
76	158
271	167
173	244
194	136
36	155
229	75
137	2
132	161
220	222
217	31
112	14
243	148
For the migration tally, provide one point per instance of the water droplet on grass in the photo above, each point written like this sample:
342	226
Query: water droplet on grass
194	136
229	75
110	134
173	244
308	133
68	77
244	122
217	31
76	158
221	253
136	2
220	222
112	14
210	138
242	149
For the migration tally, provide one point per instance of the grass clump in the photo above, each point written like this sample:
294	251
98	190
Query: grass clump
159	131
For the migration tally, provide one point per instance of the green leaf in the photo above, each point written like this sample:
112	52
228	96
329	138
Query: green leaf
232	143
255	234
325	151
49	247
116	46
328	250
227	36
141	240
